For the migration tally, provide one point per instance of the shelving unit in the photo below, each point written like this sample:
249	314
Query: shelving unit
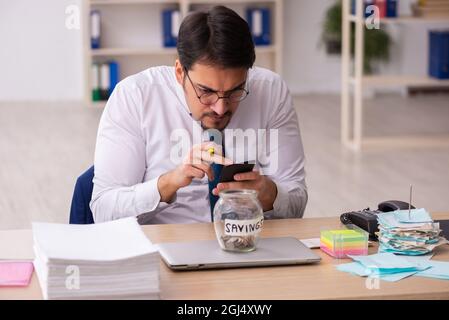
136	48
352	120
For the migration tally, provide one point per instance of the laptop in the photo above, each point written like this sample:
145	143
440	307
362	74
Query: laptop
198	255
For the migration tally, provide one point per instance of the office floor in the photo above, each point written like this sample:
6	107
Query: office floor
44	147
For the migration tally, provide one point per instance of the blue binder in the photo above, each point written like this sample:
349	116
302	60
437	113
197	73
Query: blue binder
392	8
439	54
113	75
259	21
95	29
170	27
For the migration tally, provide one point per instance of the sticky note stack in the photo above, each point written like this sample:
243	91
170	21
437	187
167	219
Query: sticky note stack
405	234
341	243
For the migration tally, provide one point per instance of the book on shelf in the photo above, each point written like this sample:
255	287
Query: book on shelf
259	21
382	6
392	8
95	80
386	8
104	81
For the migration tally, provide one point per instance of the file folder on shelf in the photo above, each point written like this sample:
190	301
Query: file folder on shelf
95	80
95	29
439	54
104	81
259	20
170	27
113	75
392	8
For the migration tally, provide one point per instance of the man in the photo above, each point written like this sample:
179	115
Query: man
142	165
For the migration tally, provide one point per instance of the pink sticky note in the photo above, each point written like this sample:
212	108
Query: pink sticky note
15	274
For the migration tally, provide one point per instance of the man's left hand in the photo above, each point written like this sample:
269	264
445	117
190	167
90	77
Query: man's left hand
266	188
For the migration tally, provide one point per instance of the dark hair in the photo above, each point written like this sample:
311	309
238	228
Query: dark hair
216	37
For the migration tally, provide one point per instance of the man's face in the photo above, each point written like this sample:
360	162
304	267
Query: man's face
205	79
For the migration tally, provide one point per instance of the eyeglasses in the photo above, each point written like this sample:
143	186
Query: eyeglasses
211	97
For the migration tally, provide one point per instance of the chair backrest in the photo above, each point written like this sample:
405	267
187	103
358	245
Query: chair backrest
80	212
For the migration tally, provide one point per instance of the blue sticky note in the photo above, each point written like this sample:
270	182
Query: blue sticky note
388	267
354	268
358	269
387	263
416	216
389	220
439	270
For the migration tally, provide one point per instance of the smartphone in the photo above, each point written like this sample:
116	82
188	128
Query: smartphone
228	172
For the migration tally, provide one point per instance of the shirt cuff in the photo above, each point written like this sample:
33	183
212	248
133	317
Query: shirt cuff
147	196
280	204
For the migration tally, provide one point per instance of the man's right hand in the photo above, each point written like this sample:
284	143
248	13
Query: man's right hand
195	165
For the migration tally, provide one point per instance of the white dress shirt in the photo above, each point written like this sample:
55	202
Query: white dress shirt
138	133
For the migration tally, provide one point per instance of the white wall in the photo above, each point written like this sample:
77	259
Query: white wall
307	68
40	59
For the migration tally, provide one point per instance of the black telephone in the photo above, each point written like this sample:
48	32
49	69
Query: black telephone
367	219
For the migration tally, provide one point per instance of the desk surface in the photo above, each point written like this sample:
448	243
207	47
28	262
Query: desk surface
320	281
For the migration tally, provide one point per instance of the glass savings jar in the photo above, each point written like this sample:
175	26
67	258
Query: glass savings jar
238	220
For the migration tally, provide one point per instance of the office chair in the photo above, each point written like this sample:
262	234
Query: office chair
80	212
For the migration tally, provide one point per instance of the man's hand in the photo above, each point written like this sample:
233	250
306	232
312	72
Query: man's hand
266	188
195	165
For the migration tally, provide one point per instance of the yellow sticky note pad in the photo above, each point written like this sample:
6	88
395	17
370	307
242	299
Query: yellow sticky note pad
339	243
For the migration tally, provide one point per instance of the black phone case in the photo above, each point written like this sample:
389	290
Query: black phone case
228	172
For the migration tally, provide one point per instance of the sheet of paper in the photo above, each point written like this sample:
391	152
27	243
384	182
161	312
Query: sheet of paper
439	270
416	216
358	269
312	243
387	261
115	240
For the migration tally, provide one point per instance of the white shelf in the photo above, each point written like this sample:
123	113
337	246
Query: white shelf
113	52
381	81
126	2
107	52
266	49
190	2
404	19
412	19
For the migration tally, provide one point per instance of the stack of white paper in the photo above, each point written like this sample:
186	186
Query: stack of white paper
113	260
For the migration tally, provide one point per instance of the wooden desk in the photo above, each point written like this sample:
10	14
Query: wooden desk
320	281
